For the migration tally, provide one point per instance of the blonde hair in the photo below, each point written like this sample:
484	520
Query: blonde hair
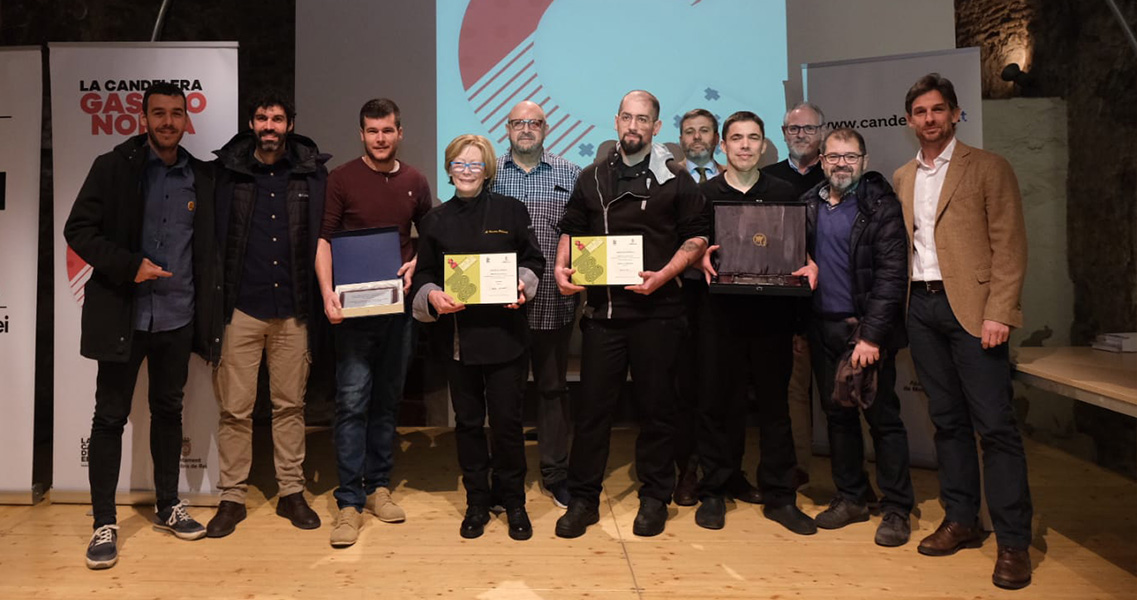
460	143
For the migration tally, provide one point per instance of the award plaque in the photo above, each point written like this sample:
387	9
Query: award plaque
481	278
607	259
365	267
760	244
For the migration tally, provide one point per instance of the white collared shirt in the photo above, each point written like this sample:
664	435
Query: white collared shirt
710	167
925	201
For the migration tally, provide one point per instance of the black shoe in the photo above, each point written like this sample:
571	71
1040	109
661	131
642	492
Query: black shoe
560	493
686	488
519	526
740	489
102	552
474	525
223	523
894	530
295	508
711	513
177	521
790	517
840	513
651	518
576	519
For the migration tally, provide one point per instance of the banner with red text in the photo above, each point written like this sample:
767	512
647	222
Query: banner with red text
96	99
21	108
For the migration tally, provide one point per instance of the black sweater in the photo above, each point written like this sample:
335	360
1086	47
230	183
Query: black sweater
486	334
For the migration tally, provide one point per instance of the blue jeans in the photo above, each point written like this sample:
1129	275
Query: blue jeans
372	356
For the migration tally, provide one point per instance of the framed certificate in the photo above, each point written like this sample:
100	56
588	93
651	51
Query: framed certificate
481	278
365	267
760	244
607	259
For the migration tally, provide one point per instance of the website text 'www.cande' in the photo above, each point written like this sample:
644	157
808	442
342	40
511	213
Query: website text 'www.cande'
891	121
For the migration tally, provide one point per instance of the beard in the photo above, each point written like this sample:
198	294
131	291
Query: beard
800	150
698	156
526	145
380	155
152	135
267	146
843	185
631	143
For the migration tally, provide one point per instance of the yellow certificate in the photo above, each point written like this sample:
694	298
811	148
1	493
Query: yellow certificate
607	259
481	278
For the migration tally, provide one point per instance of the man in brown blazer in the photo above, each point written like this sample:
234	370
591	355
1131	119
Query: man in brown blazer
964	216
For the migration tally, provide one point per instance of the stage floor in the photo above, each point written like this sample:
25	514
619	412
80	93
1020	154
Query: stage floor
1085	544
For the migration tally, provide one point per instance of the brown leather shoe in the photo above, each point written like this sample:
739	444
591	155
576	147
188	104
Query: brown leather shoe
949	538
740	489
295	508
1012	568
686	493
223	523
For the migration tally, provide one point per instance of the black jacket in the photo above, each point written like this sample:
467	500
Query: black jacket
236	193
666	210
105	230
486	334
878	250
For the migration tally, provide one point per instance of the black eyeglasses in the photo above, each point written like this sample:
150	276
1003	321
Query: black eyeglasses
796	129
849	157
519	124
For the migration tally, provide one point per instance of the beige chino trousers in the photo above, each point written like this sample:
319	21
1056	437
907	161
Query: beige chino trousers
285	344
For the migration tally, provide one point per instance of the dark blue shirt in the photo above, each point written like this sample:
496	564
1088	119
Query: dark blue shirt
166	303
834	294
265	288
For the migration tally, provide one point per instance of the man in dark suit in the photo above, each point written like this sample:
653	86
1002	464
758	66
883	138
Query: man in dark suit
964	216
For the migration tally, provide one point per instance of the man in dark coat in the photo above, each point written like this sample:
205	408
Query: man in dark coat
143	220
856	238
270	203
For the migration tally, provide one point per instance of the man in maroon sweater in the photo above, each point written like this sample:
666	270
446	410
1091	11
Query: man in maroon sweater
372	353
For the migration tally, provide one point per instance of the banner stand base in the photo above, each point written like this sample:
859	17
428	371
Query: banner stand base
17	497
131	498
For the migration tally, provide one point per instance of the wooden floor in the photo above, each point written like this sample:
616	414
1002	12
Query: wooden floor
1085	545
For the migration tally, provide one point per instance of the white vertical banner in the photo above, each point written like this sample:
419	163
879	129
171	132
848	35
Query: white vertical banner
21	108
868	95
96	98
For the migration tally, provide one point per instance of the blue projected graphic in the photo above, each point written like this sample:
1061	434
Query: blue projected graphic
577	58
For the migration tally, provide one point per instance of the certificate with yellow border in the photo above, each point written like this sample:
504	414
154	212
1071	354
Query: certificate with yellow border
481	278
607	259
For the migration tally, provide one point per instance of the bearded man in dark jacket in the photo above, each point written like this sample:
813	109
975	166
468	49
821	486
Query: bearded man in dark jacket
143	221
270	199
859	254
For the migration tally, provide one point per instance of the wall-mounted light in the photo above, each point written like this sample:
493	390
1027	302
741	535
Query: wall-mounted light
1014	74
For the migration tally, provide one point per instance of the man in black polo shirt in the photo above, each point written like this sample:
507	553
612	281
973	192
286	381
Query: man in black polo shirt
752	338
802	127
270	199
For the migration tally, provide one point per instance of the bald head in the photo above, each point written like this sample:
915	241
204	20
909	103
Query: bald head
642	96
527	128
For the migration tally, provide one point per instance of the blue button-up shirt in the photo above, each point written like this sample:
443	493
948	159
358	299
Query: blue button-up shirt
166	303
545	191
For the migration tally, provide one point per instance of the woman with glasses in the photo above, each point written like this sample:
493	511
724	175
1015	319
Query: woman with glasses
483	345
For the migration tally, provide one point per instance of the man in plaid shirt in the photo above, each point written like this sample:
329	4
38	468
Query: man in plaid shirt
544	182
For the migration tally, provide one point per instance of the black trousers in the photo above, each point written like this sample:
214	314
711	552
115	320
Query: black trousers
167	354
548	350
500	390
650	348
690	372
748	351
969	391
828	341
